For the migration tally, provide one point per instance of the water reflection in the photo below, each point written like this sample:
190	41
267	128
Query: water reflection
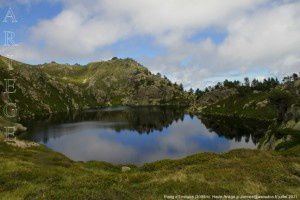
137	135
236	128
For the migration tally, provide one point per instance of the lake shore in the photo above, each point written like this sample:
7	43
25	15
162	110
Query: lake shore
38	172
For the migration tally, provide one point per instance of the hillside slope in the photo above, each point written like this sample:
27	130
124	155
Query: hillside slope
52	87
280	105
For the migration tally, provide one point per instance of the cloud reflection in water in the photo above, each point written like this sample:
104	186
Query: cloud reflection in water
132	138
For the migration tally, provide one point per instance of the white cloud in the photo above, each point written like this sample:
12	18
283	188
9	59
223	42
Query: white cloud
260	34
84	27
264	36
267	39
72	34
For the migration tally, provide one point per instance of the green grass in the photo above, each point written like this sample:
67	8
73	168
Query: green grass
39	173
291	146
234	106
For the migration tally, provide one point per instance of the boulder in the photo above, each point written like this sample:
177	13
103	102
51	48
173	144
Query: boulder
297	126
125	169
247	105
297	83
262	104
293	113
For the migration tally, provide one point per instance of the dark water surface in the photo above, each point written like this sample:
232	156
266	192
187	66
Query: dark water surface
141	134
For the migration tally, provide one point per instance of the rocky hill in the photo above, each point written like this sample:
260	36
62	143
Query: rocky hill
210	98
280	105
53	87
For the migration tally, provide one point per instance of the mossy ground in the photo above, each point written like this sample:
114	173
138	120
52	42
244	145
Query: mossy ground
235	106
39	173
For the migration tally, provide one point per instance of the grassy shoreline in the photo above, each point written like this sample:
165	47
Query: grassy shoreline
40	173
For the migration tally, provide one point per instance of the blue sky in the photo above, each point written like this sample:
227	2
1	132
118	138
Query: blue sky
27	15
194	42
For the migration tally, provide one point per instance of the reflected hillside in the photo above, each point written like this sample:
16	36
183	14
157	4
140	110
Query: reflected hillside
139	119
236	128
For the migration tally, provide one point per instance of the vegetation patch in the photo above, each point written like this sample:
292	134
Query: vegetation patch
39	173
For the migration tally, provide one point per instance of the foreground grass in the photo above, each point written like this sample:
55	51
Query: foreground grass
39	173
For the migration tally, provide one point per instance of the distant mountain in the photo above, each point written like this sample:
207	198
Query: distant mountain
52	87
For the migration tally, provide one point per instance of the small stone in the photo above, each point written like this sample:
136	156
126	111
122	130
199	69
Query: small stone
262	104
125	169
20	128
297	126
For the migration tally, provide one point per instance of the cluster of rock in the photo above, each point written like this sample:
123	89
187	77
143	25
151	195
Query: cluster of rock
256	105
210	98
215	96
291	122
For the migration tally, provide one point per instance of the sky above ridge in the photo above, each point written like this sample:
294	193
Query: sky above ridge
196	42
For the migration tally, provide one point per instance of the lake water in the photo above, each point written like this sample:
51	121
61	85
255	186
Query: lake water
141	134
